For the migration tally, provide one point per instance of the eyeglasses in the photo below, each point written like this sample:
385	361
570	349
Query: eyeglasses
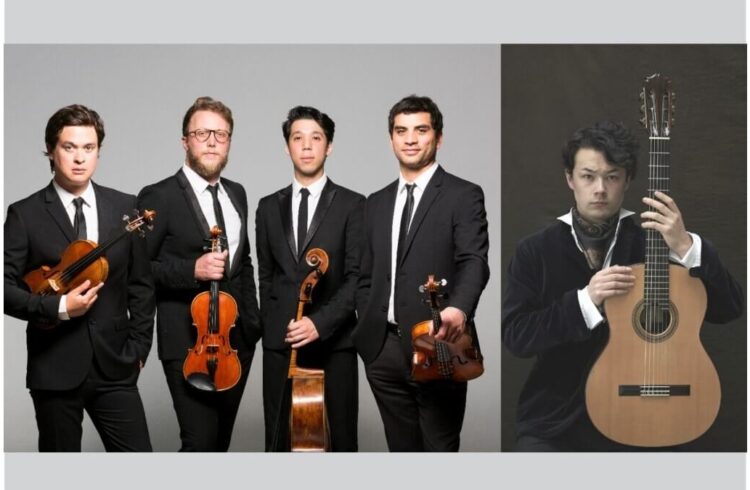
202	135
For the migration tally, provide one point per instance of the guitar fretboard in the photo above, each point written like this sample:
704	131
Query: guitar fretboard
657	252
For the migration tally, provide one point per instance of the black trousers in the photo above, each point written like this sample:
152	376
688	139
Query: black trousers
416	416
115	408
341	395
581	436
206	419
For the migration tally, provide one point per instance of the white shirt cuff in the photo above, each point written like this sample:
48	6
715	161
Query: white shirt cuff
591	314
693	256
62	310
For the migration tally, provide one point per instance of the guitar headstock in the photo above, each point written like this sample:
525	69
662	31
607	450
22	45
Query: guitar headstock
432	291
657	105
138	221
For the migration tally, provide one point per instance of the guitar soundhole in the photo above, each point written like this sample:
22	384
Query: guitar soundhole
653	322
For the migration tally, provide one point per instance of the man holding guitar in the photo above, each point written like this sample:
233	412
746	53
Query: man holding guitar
560	277
85	348
428	221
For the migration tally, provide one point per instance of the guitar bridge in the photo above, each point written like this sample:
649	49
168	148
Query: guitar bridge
654	390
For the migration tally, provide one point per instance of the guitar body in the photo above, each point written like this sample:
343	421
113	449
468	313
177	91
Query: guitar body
308	412
655	388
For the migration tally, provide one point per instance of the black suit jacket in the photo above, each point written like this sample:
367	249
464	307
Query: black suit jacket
337	228
177	241
117	330
447	237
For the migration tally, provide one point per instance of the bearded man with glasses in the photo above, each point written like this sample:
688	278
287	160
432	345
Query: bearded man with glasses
189	204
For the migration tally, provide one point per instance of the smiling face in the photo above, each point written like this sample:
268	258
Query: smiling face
308	148
598	187
207	158
75	157
414	142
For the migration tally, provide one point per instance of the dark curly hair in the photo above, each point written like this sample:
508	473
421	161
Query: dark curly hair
306	112
612	139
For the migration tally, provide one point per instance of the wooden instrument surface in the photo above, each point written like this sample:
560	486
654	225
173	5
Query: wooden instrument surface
308	420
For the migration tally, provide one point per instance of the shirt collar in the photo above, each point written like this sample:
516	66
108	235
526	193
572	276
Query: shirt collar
567	218
198	183
89	197
421	181
315	188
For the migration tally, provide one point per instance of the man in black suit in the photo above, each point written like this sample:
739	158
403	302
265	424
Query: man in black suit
313	212
426	222
189	204
87	347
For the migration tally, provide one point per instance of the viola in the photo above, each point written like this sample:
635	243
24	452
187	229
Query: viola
83	260
308	421
212	364
434	359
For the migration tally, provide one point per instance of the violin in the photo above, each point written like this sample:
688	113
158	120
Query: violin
83	260
212	364
434	359
308	421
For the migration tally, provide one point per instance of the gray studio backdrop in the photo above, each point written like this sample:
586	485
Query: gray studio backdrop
550	91
142	92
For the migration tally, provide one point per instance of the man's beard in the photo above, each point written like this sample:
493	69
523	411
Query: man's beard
208	172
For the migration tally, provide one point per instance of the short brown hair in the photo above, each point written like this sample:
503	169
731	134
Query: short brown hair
207	104
72	115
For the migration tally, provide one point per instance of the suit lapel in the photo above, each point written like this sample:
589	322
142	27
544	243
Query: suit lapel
107	216
430	194
243	224
285	210
55	209
193	204
326	198
385	219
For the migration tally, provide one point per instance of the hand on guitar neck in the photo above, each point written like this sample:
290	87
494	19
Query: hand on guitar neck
452	325
665	217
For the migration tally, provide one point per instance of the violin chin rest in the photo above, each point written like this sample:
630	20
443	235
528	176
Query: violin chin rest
201	381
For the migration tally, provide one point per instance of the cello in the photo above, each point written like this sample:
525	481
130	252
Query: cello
83	260
212	364
308	421
434	359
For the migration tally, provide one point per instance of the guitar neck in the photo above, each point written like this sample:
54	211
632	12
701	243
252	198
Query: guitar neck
656	287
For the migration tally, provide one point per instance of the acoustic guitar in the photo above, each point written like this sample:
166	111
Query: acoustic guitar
653	384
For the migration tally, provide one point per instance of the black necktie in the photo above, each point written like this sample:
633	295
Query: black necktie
302	220
405	220
219	215
79	222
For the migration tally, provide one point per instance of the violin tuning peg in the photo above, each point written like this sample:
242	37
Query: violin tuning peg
443	282
421	288
125	217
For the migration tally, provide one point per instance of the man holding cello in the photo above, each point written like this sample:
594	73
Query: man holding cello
190	204
312	212
85	347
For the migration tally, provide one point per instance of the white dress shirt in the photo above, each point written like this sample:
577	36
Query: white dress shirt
205	200
420	183
316	189
591	314
92	226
